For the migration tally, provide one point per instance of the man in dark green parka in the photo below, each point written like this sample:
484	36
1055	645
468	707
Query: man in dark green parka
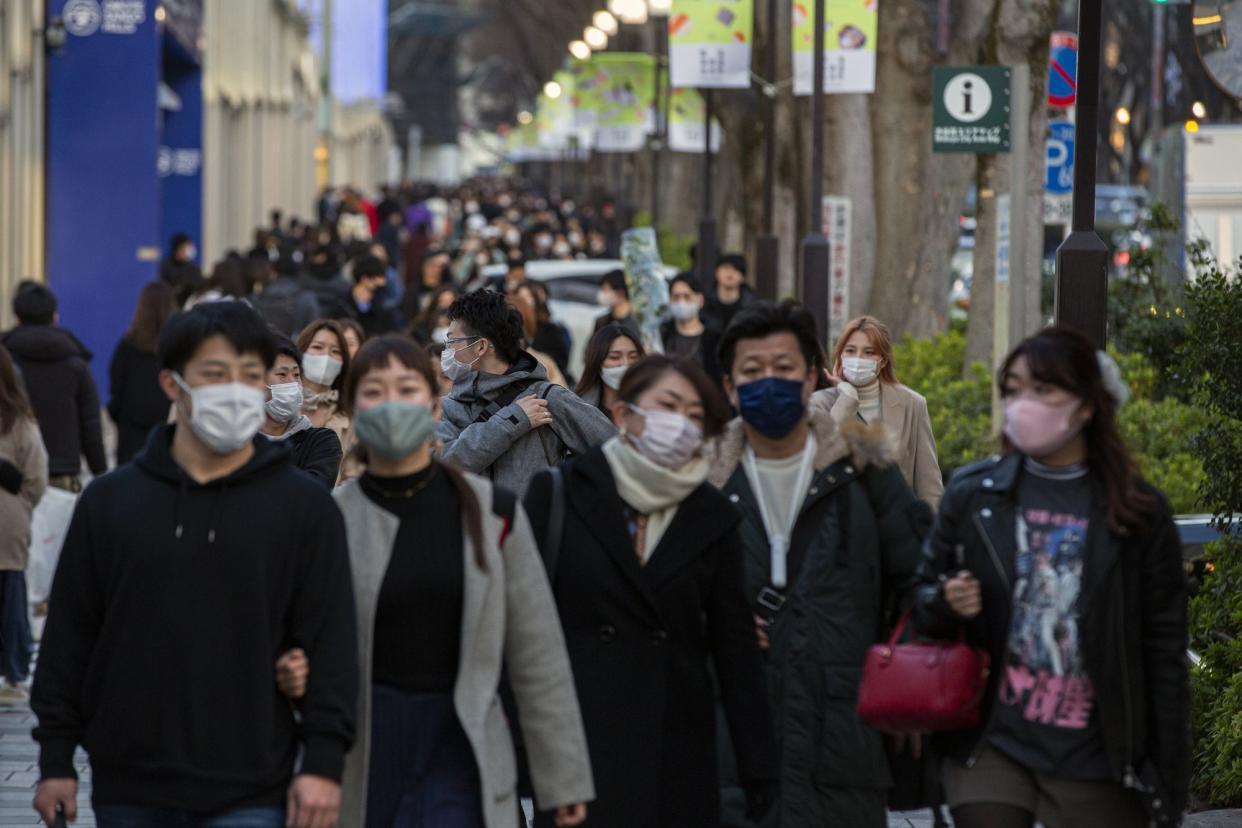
852	529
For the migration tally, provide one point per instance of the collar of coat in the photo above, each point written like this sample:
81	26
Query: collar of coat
865	445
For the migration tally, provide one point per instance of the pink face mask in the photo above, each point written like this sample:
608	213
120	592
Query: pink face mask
1038	429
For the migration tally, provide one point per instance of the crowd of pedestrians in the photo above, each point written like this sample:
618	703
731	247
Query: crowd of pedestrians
366	559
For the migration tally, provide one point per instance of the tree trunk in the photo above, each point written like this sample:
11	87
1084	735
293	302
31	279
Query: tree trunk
1022	31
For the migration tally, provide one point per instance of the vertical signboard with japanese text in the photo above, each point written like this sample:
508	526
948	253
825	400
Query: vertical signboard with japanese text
836	228
709	43
850	31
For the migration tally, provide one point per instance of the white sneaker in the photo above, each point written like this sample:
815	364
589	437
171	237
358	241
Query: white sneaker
13	694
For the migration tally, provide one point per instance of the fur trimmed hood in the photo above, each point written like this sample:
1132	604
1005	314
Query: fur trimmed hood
867	445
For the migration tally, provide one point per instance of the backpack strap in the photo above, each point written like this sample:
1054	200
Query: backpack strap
502	400
504	506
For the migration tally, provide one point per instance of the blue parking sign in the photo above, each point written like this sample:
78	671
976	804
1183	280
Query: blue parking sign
1059	158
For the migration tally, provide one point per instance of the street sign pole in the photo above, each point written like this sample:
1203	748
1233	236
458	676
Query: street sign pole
768	246
707	223
816	253
1082	260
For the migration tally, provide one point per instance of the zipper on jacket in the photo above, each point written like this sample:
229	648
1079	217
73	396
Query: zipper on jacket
1129	778
1004	665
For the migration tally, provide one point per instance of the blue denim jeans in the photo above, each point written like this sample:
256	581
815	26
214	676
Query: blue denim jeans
16	643
132	816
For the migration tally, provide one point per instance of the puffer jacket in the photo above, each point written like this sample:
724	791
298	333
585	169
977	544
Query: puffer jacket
860	532
504	447
1133	628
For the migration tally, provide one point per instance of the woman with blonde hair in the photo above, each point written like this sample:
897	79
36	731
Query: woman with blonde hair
865	388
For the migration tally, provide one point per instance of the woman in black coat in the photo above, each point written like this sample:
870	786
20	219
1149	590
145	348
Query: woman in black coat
1066	567
137	404
648	581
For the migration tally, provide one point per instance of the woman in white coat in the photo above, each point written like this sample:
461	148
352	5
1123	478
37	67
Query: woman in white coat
865	388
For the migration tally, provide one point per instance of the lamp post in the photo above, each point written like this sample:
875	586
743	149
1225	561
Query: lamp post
815	250
707	222
1082	260
768	246
659	15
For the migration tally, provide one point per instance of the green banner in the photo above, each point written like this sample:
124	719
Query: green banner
687	112
850	32
623	92
709	43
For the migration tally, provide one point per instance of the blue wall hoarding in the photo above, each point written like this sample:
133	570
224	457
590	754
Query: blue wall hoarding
123	161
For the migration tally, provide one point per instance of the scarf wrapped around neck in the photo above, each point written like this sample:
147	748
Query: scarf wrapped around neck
651	489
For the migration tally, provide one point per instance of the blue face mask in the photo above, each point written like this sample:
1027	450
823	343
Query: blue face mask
772	406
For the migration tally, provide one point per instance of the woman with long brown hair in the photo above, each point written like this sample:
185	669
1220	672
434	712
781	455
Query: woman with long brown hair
325	364
23	479
448	585
1065	565
611	352
137	404
865	389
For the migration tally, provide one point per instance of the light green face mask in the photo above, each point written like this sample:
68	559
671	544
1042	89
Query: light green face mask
395	429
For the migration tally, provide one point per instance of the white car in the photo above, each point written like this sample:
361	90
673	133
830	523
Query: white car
572	289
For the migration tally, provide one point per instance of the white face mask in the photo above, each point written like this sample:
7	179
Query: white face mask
226	416
562	249
453	369
684	311
320	368
612	376
668	439
860	372
604	297
513	238
285	406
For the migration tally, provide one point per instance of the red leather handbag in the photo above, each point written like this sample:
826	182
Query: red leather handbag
923	687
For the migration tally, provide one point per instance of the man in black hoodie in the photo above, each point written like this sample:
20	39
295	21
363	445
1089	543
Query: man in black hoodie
183	577
54	367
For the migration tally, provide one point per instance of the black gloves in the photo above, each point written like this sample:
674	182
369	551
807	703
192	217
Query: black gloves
10	477
760	799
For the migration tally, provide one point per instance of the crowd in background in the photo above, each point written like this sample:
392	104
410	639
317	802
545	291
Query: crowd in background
643	595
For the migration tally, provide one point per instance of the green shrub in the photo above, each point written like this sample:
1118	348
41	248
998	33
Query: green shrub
1216	686
961	409
1209	361
1162	437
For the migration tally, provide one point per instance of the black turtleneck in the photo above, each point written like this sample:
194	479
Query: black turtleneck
418	619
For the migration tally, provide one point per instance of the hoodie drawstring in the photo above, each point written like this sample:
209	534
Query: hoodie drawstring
177	511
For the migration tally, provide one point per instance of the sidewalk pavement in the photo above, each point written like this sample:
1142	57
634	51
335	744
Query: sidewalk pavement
19	771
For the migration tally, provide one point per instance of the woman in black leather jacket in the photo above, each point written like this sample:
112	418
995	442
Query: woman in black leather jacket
1066	567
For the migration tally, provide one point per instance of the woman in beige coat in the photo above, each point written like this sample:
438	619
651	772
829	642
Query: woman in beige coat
23	479
865	387
448	584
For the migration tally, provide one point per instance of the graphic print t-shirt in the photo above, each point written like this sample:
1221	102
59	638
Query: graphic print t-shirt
1046	716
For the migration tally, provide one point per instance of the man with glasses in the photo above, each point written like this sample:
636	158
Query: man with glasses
503	419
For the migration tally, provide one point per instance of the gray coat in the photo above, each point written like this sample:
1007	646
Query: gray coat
508	615
505	448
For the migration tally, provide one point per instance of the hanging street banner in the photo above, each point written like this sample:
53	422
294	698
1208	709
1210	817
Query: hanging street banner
555	117
970	109
849	46
835	218
686	113
583	99
522	144
623	92
709	43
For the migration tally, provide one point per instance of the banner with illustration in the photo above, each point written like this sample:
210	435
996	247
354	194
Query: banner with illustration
555	117
686	112
709	43
522	144
623	94
849	46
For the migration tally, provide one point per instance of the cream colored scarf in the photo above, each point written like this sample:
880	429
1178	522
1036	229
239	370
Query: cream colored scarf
651	489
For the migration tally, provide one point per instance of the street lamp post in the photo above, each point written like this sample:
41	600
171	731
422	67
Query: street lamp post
658	139
1082	260
815	250
768	246
707	223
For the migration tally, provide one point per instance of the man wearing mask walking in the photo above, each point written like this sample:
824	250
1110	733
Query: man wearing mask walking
175	595
503	419
832	536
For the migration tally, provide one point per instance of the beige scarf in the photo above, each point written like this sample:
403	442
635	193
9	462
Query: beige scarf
651	489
